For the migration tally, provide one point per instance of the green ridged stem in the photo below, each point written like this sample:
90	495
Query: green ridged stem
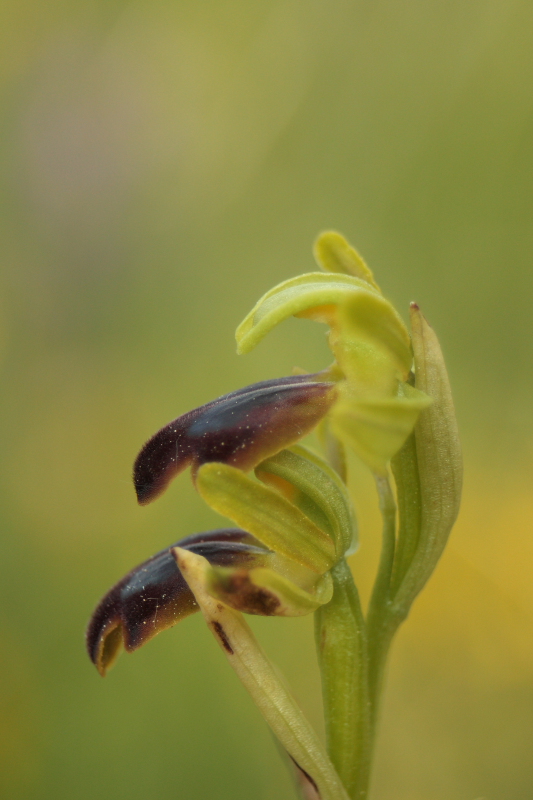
340	635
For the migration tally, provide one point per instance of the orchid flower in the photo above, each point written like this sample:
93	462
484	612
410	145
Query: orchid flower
386	397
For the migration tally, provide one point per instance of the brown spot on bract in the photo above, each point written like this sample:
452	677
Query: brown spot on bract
247	597
307	783
221	633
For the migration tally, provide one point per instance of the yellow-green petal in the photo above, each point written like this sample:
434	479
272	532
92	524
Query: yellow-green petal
334	254
295	296
371	319
376	428
314	482
267	515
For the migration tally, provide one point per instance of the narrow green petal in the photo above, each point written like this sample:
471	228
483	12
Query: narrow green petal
317	481
295	296
265	592
372	319
376	428
267	515
438	456
257	675
334	254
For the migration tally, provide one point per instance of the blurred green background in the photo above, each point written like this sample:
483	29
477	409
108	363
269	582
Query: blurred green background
162	165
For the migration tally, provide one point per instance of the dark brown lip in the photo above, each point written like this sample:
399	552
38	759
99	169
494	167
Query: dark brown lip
241	428
154	595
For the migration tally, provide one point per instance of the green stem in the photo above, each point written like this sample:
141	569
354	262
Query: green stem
342	656
381	622
381	590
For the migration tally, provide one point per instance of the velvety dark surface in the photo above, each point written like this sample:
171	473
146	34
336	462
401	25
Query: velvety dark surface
154	596
241	428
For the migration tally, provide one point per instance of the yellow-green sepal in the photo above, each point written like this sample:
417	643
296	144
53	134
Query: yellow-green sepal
334	254
370	337
312	485
267	515
376	427
265	592
300	295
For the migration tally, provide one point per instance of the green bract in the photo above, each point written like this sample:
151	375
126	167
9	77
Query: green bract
431	471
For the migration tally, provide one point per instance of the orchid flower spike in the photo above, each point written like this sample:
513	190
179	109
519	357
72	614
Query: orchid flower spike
296	521
388	398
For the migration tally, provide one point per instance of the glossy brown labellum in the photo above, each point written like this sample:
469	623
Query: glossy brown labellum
241	429
154	595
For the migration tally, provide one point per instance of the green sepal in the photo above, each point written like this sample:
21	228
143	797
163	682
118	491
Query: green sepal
369	319
265	592
376	428
267	515
334	254
298	295
313	484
